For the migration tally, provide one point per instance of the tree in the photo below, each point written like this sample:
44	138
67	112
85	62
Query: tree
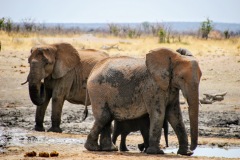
146	27
114	29
2	25
28	24
9	25
161	35
206	27
226	34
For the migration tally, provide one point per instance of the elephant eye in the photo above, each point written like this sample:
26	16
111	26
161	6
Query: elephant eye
48	62
45	60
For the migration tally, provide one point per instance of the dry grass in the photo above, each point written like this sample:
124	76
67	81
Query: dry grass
133	47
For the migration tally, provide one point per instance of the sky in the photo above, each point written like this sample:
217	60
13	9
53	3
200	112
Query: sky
119	11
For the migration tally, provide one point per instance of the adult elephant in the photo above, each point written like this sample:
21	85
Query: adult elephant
64	72
124	88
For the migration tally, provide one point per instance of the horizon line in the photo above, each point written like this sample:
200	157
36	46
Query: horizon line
133	22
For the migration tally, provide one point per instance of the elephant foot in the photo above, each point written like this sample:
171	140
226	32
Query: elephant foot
193	146
55	129
39	128
154	150
123	148
185	152
91	146
108	148
141	147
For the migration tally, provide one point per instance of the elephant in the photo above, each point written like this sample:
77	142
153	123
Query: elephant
60	72
123	88
184	51
133	125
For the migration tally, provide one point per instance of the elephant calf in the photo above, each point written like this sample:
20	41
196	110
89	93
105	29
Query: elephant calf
142	124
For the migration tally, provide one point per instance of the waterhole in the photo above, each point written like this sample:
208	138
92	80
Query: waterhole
20	137
233	152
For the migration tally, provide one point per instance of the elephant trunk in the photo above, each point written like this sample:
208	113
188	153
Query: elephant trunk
37	93
193	102
36	87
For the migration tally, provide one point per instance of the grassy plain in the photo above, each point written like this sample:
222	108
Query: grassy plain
127	46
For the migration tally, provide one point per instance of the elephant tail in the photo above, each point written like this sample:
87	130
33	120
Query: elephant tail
85	112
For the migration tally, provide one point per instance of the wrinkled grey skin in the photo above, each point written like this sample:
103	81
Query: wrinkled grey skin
60	72
123	88
123	128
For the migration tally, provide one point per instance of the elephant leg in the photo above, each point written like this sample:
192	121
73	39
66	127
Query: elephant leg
92	139
156	123
165	127
145	135
57	104
40	113
174	117
101	125
115	134
106	143
123	146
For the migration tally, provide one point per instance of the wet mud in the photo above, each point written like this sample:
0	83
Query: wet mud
224	124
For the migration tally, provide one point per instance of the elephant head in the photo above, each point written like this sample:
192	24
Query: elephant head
171	70
52	61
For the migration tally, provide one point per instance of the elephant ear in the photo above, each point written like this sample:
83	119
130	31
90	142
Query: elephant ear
66	59
159	64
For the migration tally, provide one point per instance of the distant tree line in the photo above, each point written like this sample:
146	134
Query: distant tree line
163	31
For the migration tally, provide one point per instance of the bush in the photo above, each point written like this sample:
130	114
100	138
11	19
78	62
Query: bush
6	24
146	27
28	24
114	29
9	25
2	25
226	34
162	35
206	27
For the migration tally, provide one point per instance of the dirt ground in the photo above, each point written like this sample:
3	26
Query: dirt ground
219	123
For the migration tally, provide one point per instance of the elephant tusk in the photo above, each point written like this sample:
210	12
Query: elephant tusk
24	82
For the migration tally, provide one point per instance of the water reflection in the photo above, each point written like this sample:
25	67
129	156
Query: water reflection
212	152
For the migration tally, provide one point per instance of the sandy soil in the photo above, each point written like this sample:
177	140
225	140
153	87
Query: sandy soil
219	123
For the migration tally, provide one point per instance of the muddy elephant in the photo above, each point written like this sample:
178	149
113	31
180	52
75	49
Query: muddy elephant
122	88
60	72
123	128
184	52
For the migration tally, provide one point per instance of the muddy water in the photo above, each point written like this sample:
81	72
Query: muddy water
20	137
16	124
212	152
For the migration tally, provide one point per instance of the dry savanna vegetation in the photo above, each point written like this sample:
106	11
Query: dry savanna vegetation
122	46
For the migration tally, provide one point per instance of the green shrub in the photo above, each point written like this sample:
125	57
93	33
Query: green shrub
162	35
206	27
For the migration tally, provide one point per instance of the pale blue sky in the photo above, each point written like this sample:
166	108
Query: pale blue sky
113	11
